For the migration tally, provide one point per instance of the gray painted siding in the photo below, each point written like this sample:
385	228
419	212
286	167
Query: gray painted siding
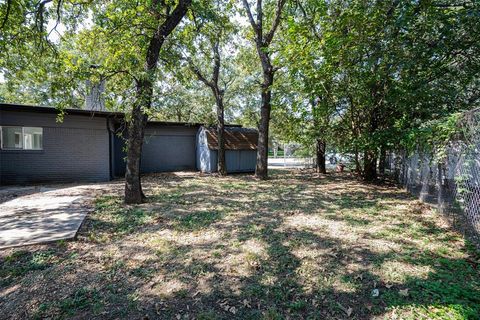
236	160
75	150
168	148
119	156
242	160
165	149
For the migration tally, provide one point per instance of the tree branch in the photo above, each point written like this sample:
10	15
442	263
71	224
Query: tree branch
163	31
260	16
252	21
57	22
216	62
276	21
7	13
199	74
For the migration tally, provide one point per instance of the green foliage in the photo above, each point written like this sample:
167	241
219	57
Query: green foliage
362	75
434	135
384	74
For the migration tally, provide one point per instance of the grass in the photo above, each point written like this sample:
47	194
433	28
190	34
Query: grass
21	262
197	220
295	246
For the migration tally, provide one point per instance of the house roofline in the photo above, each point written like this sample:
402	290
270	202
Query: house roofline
91	113
45	109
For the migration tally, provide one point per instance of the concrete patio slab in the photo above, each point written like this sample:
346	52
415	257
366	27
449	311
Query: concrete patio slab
48	215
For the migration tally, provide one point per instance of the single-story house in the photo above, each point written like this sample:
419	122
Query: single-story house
90	146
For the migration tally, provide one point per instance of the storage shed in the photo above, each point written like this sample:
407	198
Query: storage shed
240	149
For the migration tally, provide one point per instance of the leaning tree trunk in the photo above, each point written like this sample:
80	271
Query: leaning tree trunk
221	166
136	132
321	146
143	101
261	169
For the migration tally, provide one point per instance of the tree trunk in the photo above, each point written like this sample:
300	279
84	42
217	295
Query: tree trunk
321	146
370	156
218	94
261	169
136	132
382	162
358	168
262	43
143	101
221	166
370	166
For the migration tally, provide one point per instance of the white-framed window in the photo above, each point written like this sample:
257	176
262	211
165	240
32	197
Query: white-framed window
21	138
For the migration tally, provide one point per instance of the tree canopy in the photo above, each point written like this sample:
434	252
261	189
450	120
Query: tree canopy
361	77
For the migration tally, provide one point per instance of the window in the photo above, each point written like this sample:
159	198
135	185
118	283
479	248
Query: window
32	138
22	138
12	138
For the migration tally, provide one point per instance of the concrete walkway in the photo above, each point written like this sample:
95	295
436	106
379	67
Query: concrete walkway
49	214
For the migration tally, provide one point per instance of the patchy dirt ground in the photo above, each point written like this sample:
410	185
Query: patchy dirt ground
296	246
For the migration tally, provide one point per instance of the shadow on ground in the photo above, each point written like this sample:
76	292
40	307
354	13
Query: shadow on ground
296	246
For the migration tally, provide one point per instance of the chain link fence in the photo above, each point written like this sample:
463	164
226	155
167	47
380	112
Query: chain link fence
451	182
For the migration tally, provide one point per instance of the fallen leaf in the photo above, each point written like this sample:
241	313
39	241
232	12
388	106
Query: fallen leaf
348	311
375	293
158	308
388	286
403	292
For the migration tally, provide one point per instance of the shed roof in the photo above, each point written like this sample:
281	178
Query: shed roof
235	138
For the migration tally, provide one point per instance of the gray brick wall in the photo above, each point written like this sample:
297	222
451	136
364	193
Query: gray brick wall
75	150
